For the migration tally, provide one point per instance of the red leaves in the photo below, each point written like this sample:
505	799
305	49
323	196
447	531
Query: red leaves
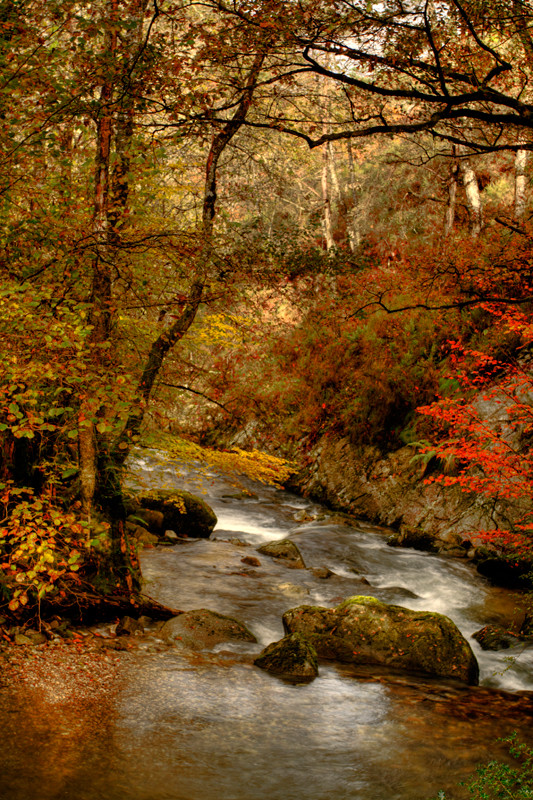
483	446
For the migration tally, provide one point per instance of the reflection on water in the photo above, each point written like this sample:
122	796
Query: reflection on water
164	726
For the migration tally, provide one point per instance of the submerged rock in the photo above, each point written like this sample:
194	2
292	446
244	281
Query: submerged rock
292	590
182	512
363	630
202	629
413	537
284	549
322	572
252	561
293	656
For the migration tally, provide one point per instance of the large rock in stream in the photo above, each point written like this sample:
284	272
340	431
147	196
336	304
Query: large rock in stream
202	629
363	630
181	512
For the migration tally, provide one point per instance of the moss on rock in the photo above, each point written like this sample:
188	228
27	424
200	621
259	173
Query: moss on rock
182	512
364	630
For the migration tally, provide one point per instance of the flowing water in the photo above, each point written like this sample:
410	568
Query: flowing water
211	726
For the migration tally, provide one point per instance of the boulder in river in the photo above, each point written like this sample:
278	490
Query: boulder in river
292	657
491	637
363	630
202	629
285	550
182	512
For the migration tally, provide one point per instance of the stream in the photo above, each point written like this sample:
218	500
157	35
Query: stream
158	724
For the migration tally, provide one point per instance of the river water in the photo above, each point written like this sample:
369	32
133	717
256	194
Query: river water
211	726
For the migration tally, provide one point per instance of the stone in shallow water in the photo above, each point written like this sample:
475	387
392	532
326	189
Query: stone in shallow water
128	626
292	590
322	572
203	629
252	561
292	657
363	630
284	549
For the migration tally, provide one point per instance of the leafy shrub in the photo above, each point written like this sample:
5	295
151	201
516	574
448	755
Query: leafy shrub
497	780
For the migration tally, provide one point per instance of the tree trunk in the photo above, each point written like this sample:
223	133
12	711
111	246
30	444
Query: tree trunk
326	201
520	183
449	219
175	332
473	197
352	215
101	290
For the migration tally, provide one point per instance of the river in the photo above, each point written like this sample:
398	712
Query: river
211	726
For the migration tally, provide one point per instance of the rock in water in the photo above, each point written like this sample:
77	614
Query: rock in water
202	629
363	630
284	549
493	638
182	512
128	626
291	657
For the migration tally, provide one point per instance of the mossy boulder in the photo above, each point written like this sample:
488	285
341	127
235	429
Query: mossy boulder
285	550
182	512
202	629
292	657
363	630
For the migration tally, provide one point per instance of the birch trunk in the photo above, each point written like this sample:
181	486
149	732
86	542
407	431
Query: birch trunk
449	219
520	183
352	220
326	201
473	197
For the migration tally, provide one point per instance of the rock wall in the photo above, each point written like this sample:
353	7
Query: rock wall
390	490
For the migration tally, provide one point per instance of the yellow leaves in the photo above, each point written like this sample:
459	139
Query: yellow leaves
35	542
253	464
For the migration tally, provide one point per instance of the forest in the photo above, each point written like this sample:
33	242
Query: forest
280	220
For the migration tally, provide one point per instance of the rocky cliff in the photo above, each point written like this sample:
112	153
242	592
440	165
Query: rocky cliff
392	490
